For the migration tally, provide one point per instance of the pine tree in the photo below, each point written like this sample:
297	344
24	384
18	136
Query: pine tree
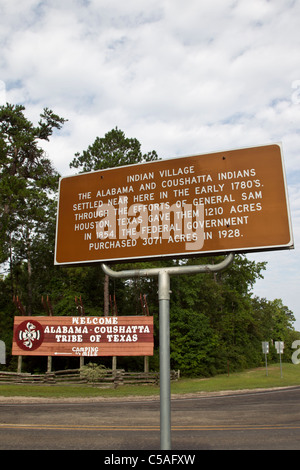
28	182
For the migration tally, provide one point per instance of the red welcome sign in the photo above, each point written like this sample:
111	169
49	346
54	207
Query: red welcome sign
83	336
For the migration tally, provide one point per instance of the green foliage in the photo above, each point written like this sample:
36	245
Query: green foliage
110	151
216	323
92	372
28	184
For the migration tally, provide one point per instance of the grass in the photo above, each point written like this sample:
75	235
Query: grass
250	379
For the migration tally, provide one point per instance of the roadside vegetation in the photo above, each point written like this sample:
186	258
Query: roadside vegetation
246	380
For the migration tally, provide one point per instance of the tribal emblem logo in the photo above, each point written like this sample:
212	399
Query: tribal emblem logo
29	335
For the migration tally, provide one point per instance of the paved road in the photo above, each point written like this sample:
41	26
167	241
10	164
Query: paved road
256	420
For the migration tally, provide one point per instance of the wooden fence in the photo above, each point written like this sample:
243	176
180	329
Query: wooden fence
108	379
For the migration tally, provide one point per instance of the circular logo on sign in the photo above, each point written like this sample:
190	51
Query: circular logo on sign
29	335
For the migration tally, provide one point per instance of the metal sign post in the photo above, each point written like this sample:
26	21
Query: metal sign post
279	345
265	348
2	353
164	328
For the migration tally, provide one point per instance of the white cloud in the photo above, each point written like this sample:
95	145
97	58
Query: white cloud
2	93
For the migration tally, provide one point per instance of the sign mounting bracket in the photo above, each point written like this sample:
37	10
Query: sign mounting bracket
163	275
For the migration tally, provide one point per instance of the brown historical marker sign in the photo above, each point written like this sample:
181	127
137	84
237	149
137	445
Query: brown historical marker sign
233	201
83	336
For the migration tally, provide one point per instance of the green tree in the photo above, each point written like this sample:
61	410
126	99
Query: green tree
28	183
212	320
274	323
112	150
283	319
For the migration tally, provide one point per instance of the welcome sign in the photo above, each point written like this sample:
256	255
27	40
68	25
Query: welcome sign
83	336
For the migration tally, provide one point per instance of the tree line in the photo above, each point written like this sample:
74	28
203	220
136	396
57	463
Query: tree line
216	322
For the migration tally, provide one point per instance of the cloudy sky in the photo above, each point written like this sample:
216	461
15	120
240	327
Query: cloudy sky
183	77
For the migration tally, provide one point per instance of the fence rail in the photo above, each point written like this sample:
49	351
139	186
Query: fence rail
108	378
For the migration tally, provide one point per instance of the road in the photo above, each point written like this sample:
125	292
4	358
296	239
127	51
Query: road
249	420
